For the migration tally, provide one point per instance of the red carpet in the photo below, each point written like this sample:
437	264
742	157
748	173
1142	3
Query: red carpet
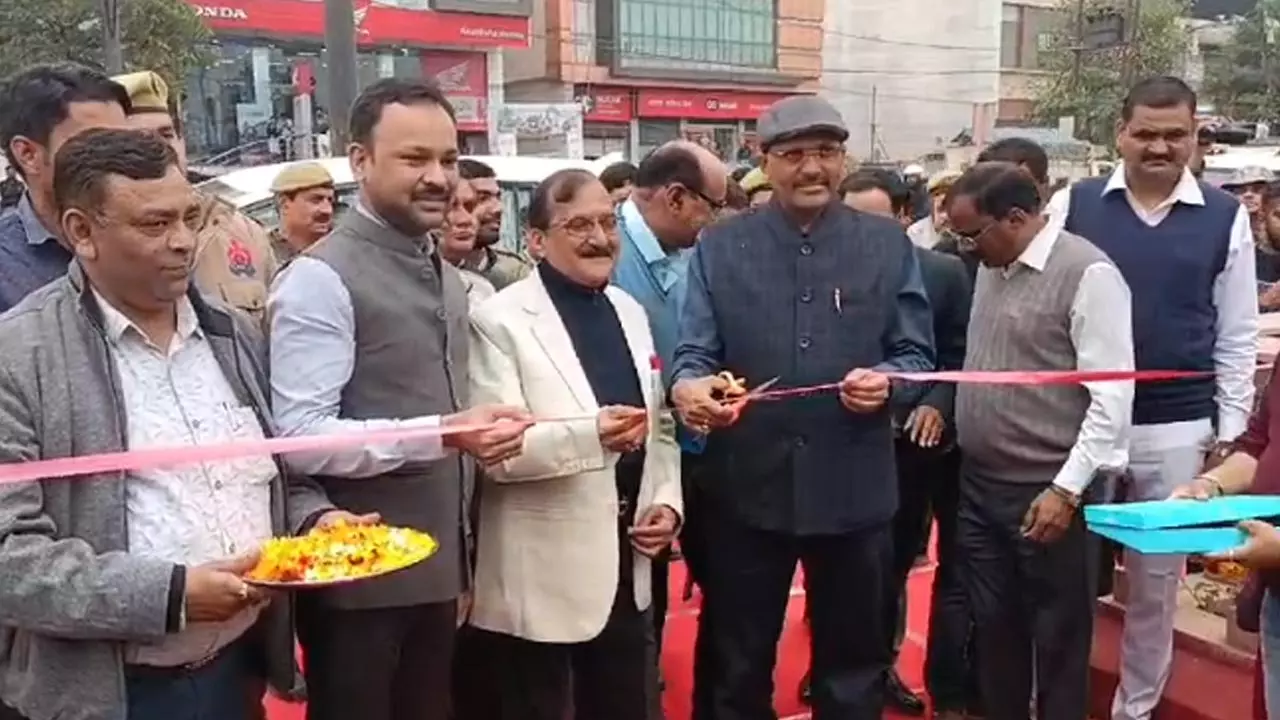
793	651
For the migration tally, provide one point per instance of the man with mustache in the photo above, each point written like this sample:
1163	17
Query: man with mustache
369	330
305	197
1186	251
567	530
1045	300
499	266
233	260
808	291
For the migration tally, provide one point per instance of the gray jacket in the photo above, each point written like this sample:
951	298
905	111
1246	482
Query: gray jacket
72	596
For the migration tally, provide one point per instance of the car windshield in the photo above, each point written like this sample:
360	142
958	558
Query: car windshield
515	207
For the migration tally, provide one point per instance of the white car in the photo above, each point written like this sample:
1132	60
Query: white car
250	189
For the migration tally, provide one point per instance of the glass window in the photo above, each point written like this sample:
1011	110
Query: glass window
239	110
1010	36
697	34
653	133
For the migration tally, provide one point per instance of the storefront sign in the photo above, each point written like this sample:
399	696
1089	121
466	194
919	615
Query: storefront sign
703	104
376	24
602	104
464	78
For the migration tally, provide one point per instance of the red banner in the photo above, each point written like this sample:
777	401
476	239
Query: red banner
464	78
607	104
375	24
703	104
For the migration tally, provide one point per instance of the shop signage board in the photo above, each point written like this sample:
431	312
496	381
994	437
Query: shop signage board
680	104
464	78
606	104
376	23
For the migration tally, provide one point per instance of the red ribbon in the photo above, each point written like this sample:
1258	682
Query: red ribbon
169	456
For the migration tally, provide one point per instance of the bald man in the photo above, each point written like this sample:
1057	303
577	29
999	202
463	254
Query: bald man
679	189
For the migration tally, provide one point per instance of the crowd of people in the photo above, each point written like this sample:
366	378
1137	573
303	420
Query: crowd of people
585	436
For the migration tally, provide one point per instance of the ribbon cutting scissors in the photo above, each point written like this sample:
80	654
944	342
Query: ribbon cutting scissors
755	393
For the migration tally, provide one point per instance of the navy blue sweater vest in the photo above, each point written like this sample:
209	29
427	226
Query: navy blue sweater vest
1170	269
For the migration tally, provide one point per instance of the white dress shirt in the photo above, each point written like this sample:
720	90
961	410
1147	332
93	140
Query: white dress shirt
1235	296
1102	332
178	396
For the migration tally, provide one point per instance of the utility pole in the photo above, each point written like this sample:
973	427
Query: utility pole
1078	50
1133	17
340	56
112	52
874	153
1268	98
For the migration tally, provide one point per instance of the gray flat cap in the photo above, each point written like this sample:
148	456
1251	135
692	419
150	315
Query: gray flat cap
797	116
1251	175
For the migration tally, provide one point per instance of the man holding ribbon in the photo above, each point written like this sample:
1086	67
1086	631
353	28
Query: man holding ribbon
369	330
567	530
1044	300
122	595
801	290
1187	251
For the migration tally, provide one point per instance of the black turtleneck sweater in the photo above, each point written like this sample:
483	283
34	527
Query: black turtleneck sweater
601	346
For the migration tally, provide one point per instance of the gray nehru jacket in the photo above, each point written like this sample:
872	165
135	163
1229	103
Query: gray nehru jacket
1022	321
369	330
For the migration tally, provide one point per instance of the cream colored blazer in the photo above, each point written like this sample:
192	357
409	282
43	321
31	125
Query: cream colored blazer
547	541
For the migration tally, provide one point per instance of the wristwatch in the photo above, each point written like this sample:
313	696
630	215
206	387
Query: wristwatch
1072	498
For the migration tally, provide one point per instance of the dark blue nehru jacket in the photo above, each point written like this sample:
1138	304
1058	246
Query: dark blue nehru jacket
1171	269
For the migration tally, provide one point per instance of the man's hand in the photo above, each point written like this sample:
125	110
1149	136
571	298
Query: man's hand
654	530
925	426
1200	488
1048	517
1260	552
493	445
216	591
700	410
864	391
342	517
1270	298
622	428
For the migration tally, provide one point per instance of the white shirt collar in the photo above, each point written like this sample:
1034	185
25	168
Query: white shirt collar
1187	191
117	324
1036	254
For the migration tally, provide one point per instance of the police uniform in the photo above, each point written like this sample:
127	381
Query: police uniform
500	267
233	259
295	178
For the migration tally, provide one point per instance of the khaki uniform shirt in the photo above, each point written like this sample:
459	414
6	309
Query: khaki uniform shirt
500	267
283	252
234	259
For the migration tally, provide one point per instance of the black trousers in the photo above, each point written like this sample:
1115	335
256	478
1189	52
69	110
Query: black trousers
693	546
381	664
929	485
605	678
847	576
1026	596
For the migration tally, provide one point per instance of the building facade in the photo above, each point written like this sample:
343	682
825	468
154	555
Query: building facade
649	71
910	75
1027	28
267	86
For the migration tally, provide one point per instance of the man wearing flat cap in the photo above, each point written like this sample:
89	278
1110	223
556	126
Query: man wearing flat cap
1250	185
234	262
826	295
305	195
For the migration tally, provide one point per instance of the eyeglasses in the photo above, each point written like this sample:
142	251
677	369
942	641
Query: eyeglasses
583	227
972	236
795	156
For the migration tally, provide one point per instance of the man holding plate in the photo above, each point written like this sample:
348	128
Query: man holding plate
123	595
